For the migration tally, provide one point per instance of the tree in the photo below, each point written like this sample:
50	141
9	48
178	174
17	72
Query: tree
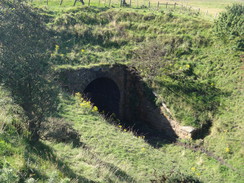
24	62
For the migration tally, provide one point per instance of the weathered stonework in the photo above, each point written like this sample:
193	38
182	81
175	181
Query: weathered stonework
135	103
184	132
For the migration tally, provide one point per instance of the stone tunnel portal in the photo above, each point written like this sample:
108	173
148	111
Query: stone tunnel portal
119	89
104	93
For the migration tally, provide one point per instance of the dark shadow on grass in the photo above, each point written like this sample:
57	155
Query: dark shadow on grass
140	129
120	174
179	178
30	172
46	153
203	98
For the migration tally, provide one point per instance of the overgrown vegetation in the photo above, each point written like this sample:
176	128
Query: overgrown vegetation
230	25
24	65
160	50
192	64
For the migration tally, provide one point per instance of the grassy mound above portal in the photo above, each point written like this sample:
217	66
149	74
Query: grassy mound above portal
193	71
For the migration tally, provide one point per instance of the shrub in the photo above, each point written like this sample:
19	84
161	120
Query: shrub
8	174
230	25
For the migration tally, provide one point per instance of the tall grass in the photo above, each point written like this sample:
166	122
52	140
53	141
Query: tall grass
197	75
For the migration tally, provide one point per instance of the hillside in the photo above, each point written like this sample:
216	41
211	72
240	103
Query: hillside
192	67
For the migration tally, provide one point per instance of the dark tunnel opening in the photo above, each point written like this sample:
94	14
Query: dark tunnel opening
104	93
137	113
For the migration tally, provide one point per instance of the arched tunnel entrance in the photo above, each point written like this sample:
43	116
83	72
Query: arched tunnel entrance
104	93
119	89
134	110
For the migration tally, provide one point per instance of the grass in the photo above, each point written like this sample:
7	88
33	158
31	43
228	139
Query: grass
119	36
209	6
138	158
183	47
118	157
115	155
206	6
200	79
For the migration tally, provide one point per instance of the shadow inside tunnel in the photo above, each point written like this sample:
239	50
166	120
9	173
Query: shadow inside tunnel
136	111
119	90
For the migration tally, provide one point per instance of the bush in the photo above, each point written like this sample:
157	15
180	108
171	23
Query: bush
230	24
8	174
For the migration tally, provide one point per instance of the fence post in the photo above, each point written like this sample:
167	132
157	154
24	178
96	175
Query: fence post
109	3
75	3
158	5
89	2
137	3
166	5
130	3
61	2
149	4
174	5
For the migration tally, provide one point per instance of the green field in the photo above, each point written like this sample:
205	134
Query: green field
209	7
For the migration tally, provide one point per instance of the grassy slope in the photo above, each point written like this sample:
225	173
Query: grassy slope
138	159
113	155
117	156
174	53
11	144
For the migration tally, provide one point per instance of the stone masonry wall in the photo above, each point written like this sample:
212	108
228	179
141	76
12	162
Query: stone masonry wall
136	102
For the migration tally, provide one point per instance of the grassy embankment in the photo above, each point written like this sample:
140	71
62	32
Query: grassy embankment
199	78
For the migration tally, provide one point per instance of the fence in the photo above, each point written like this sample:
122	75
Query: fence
124	3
